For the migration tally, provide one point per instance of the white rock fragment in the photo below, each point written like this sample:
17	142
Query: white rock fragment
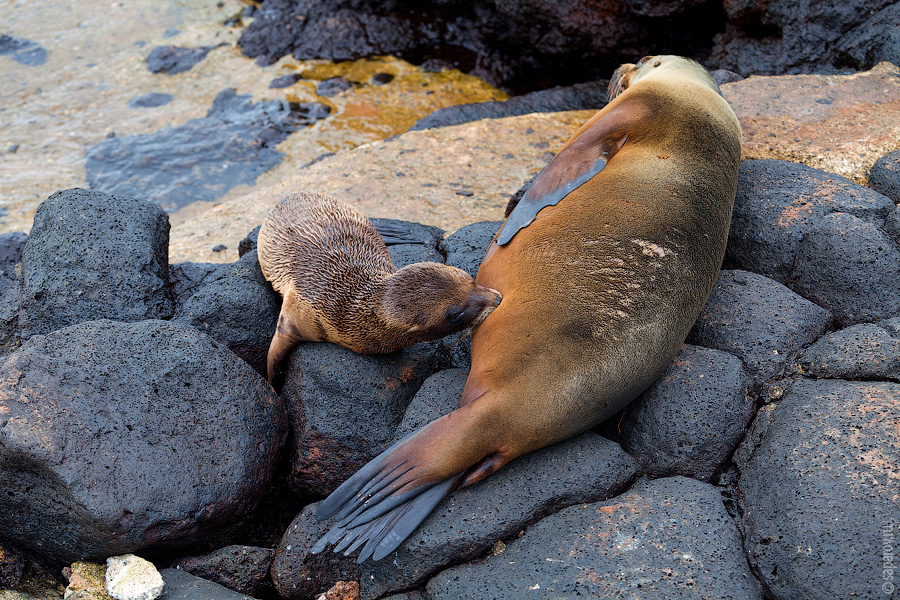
130	577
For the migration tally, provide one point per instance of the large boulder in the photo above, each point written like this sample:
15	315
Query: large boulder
131	437
666	538
758	320
819	493
851	267
885	175
876	39
690	420
860	352
237	307
778	202
93	256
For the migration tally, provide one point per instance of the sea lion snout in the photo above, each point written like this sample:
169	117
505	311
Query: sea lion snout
482	303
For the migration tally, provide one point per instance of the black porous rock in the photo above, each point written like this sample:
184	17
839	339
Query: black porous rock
581	96
892	224
691	419
239	568
10	307
285	81
859	352
249	243
885	175
758	320
238	308
666	538
777	202
344	408
11	247
180	585
188	277
202	159
851	267
821	488
92	256
24	52
723	76
150	100
874	41
465	248
467	523
131	437
172	60
299	575
333	86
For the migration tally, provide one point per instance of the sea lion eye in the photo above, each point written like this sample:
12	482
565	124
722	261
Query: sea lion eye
455	315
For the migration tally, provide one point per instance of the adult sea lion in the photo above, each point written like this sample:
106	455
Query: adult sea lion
339	284
604	265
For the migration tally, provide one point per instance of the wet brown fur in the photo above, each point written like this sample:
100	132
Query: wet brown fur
339	284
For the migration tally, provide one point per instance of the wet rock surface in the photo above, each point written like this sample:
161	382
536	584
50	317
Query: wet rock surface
232	145
91	256
675	532
691	419
758	320
93	414
820	489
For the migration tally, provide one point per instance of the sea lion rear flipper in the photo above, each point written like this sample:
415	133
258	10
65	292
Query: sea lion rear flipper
583	156
283	341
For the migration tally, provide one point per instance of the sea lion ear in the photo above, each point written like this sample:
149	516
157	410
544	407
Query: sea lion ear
583	156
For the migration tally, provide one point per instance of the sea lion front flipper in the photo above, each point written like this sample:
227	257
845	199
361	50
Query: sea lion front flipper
395	233
283	341
583	156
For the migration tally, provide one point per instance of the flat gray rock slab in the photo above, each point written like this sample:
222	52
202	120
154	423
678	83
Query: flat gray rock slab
777	202
851	267
469	521
666	538
691	419
181	585
865	351
119	438
820	492
93	256
758	320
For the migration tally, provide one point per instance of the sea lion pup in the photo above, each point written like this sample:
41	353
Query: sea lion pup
339	284
604	265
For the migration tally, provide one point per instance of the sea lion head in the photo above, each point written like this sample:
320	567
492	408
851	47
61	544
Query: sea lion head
663	65
427	301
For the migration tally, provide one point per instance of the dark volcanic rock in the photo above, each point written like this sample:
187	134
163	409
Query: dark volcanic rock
467	523
238	308
92	256
758	320
333	86
858	352
285	81
249	243
784	36
581	96
777	202
466	246
204	158
10	306
667	538
876	40
130	437
11	247
239	568
345	407
186	278
690	420
851	267
296	573
150	100
885	175
821	488
24	52
172	60
892	224
184	586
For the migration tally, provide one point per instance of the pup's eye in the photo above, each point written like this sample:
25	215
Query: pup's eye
455	315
